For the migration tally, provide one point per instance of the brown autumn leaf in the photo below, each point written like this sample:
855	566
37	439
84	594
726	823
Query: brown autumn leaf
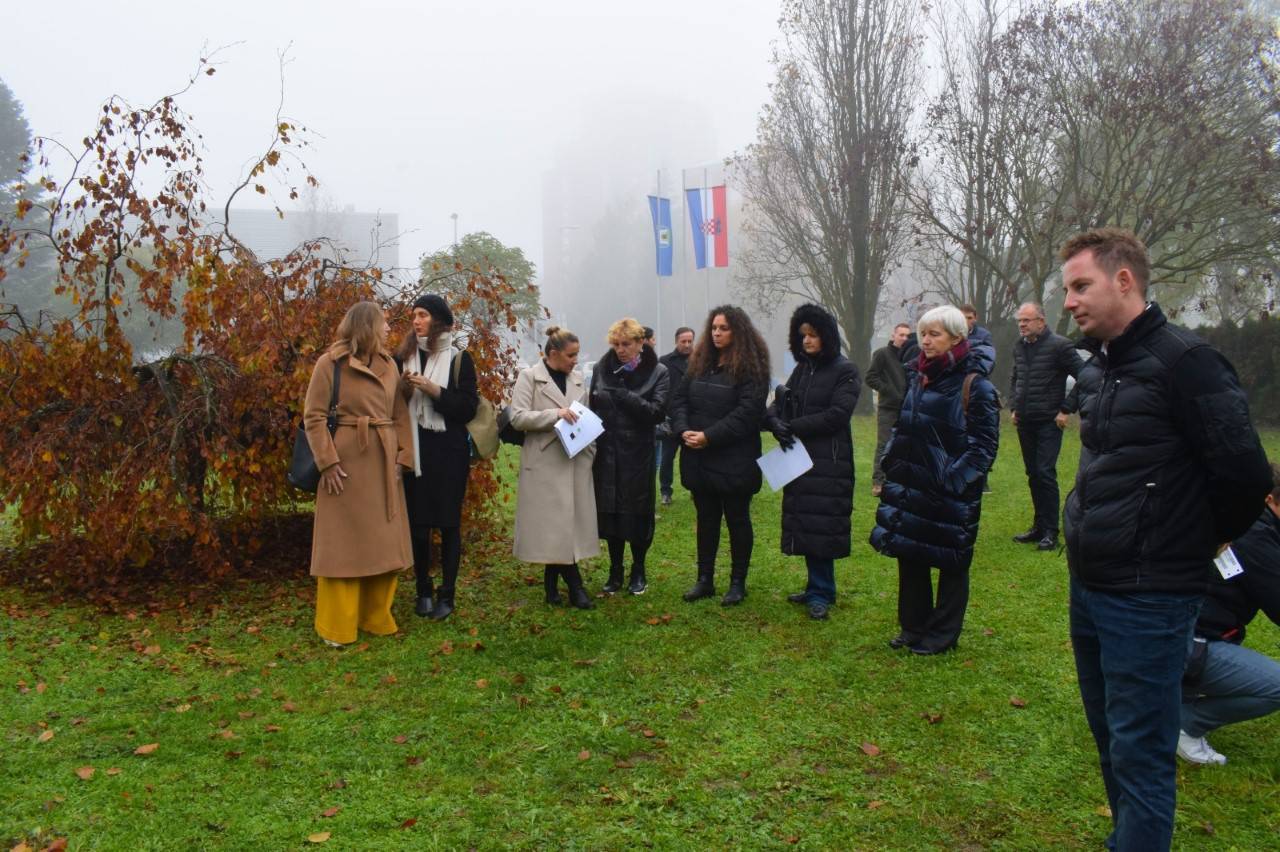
233	755
289	707
85	772
390	679
182	708
666	617
931	718
1103	811
146	748
987	631
584	755
555	687
319	837
333	811
651	621
227	734
400	739
482	684
409	823
477	646
22	847
648	733
272	729
45	736
339	784
870	749
623	764
446	647
584	663
875	804
412	760
247	714
1018	702
115	770
41	687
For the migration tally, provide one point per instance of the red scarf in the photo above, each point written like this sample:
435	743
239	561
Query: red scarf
930	369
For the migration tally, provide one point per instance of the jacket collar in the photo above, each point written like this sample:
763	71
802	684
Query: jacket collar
542	376
1147	322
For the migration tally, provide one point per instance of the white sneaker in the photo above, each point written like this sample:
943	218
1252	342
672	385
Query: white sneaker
1198	750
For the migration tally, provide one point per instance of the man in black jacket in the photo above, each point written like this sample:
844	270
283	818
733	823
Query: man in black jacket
888	378
1226	682
677	362
1042	361
1170	469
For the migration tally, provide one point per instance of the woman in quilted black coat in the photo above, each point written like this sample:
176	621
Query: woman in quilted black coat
935	466
629	391
814	407
717	412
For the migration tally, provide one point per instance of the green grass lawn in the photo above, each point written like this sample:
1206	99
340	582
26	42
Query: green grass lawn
646	722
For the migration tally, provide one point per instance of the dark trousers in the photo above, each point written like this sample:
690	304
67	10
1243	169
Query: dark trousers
666	449
736	511
450	558
885	420
822	580
1130	652
618	552
1041	443
932	625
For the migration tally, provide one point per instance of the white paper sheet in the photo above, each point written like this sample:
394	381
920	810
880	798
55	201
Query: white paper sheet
781	466
1228	564
576	437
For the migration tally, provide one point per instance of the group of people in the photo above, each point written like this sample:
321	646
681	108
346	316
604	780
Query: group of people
1171	470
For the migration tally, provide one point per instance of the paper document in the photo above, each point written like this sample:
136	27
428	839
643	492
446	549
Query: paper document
781	466
1227	564
576	437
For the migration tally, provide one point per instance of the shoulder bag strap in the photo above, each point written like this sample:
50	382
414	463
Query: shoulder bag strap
332	420
964	394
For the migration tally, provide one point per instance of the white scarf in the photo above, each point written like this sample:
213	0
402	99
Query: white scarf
422	411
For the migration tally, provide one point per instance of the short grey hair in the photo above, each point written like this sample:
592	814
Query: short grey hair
1035	306
947	316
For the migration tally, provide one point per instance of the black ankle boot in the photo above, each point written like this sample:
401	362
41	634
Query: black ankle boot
705	586
577	593
550	583
616	579
638	582
425	603
737	589
444	605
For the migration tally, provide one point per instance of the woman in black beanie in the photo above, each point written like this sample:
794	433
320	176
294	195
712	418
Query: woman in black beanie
442	399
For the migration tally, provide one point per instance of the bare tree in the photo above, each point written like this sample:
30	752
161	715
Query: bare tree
824	218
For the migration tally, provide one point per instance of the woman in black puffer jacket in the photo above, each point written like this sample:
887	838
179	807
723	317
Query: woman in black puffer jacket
629	390
717	412
815	407
935	466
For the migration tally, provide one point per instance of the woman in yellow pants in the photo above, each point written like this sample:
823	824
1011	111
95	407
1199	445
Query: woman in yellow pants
361	535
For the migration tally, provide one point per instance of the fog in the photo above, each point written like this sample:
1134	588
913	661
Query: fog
425	110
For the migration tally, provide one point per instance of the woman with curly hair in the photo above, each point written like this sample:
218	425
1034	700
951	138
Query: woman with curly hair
717	411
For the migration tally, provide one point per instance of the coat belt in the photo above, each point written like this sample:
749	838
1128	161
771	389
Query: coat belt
362	425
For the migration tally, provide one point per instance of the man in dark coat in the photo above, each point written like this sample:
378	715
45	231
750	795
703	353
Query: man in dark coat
668	444
1226	682
981	343
1042	361
888	378
1170	469
815	407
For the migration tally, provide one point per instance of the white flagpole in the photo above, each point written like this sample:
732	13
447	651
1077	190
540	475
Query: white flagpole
657	321
706	288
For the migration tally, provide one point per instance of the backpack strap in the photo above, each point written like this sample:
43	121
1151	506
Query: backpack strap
964	394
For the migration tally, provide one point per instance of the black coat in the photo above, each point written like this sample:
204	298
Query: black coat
630	404
1040	370
434	500
1170	466
1229	605
887	377
935	466
729	413
821	395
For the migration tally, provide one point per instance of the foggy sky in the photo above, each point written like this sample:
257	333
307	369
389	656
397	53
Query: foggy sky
422	109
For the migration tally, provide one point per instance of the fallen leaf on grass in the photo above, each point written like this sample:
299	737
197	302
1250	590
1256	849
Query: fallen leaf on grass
115	770
1207	828
412	760
41	687
446	647
482	684
584	755
623	764
584	663
555	687
390	680
272	729
648	733
151	650
409	823
45	736
233	755
874	804
289	707
477	646
318	837
1018	702
147	748
339	784
400	739
931	718
793	839
987	631
1103	811
85	772
870	749
182	708
333	811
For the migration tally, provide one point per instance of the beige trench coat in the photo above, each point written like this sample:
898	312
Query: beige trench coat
556	500
364	530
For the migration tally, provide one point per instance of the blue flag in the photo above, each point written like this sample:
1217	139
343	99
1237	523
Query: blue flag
660	210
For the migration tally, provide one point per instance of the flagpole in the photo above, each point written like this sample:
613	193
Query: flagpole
706	287
684	242
657	322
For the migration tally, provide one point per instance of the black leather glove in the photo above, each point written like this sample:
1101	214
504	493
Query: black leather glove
781	430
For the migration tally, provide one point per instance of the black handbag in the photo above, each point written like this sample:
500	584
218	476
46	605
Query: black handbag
303	473
506	432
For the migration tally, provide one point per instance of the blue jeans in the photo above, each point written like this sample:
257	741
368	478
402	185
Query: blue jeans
1237	684
1130	652
822	580
666	449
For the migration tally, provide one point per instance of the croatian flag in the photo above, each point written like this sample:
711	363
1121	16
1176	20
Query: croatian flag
709	218
660	211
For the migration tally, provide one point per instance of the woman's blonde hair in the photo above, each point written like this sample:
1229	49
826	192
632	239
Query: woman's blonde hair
625	329
557	339
947	316
360	332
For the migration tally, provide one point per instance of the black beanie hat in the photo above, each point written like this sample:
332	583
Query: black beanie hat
436	306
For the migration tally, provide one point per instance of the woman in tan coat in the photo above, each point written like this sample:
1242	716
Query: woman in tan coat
556	498
361	535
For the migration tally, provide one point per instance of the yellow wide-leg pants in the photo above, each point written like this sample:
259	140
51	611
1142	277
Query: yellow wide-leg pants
345	603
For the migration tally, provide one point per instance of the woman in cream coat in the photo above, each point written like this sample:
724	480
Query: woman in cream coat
556	499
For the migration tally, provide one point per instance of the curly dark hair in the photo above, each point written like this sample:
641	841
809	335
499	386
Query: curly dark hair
747	356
